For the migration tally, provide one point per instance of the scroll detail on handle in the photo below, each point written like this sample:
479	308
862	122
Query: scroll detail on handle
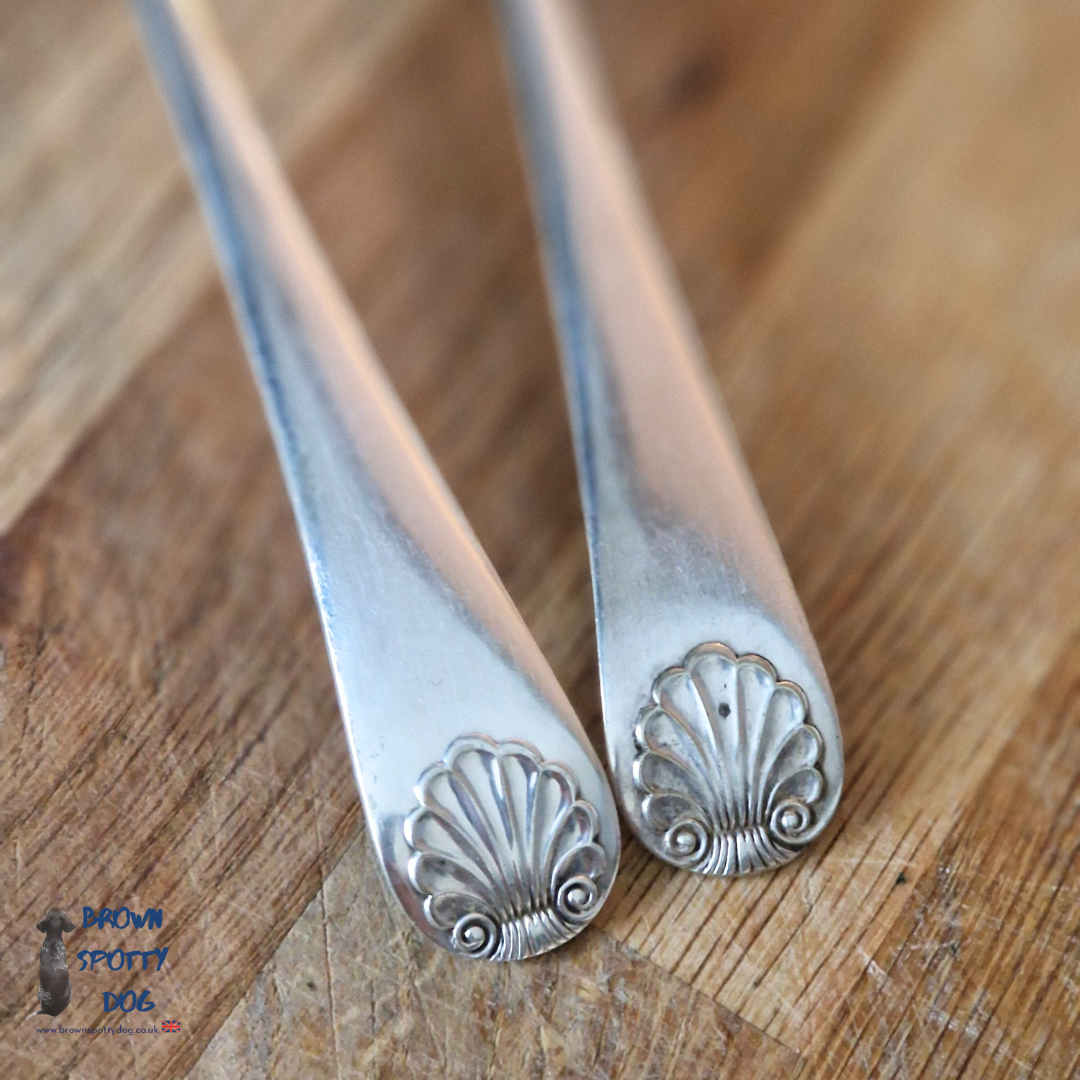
727	763
505	850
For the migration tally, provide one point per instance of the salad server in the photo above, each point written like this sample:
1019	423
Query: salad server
721	729
489	810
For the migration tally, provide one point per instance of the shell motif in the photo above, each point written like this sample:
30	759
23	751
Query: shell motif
505	850
726	763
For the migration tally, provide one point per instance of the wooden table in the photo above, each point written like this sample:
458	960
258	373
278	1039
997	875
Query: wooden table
874	207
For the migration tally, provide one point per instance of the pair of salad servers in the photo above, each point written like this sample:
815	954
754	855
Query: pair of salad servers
491	814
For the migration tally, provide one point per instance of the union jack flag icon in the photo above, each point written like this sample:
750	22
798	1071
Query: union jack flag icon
170	1025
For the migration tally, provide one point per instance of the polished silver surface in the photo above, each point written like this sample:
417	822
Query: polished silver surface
489	810
721	728
505	849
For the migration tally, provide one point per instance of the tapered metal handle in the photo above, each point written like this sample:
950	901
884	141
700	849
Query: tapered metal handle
721	728
489	810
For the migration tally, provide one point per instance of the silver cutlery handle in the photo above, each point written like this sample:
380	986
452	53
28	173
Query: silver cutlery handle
489	810
691	592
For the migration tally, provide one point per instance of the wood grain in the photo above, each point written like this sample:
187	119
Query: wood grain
977	975
923	500
101	247
872	207
353	991
170	736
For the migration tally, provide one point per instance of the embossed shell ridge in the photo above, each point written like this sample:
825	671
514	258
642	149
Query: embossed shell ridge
505	850
726	763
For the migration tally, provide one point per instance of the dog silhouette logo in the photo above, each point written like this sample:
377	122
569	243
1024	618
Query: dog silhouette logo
54	991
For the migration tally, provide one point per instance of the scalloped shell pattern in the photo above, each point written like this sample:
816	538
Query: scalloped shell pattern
505	850
726	763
